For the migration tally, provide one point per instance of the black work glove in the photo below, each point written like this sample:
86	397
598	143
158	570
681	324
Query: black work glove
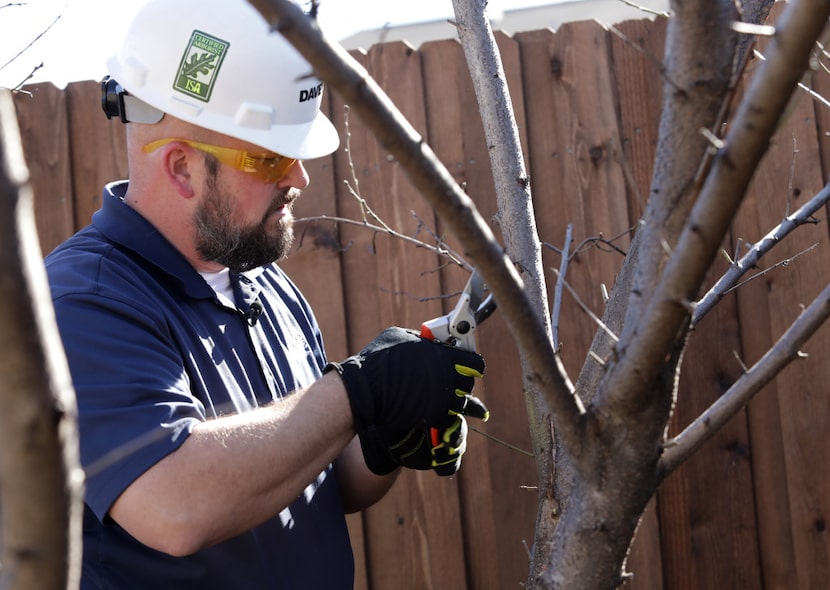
401	382
419	448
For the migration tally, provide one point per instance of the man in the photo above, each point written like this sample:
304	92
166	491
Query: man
221	449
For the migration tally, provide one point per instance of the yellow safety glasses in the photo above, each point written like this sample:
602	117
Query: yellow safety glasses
269	166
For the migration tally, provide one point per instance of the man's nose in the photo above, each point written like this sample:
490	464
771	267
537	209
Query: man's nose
296	177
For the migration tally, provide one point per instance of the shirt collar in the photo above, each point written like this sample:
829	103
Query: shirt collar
126	227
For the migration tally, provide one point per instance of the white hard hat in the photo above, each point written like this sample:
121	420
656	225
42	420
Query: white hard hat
217	64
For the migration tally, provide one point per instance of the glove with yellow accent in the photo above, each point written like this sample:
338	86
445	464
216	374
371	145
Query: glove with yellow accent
416	449
401	382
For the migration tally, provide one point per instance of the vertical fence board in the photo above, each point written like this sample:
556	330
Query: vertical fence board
820	82
99	148
42	119
576	180
448	98
498	514
767	448
415	533
789	421
710	528
637	56
314	265
788	177
314	262
775	537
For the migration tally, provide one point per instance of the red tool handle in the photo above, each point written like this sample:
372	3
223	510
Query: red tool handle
433	432
426	332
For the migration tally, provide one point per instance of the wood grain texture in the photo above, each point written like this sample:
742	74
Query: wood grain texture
42	119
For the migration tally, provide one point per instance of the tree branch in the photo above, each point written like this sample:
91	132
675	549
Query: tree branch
723	189
560	280
737	270
384	229
751	382
41	479
339	70
32	42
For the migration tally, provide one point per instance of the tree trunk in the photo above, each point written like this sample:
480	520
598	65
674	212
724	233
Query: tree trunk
611	436
40	474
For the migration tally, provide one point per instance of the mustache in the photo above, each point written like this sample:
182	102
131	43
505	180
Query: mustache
284	197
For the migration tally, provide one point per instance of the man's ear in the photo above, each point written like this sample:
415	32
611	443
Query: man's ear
178	166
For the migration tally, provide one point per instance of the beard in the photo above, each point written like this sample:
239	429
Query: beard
220	239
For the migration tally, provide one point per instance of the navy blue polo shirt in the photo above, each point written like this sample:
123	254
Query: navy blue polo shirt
153	352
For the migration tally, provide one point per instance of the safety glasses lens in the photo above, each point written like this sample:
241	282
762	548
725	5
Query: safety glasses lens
269	168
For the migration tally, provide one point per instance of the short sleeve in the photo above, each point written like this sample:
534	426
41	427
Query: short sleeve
134	400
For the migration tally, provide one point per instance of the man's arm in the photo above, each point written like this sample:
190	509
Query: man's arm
236	472
359	487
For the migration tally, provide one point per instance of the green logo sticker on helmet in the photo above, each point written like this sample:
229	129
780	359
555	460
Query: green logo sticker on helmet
200	64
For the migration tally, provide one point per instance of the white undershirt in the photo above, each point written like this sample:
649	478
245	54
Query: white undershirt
220	282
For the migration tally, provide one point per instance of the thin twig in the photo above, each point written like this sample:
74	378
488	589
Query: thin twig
19	86
785	262
384	229
442	245
595	241
645	9
501	442
587	309
599	241
365	210
658	63
33	41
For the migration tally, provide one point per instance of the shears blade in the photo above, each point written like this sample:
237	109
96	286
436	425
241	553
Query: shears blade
457	328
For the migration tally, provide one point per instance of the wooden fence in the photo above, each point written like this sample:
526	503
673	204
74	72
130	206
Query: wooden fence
748	511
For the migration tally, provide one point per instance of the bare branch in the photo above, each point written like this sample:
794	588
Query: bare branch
442	249
501	442
32	42
746	142
517	221
354	190
560	280
41	480
787	349
18	87
731	277
384	229
785	262
584	307
645	9
338	69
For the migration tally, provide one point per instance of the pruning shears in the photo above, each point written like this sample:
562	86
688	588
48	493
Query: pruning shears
458	327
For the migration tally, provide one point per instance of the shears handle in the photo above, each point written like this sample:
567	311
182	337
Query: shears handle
436	329
458	327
